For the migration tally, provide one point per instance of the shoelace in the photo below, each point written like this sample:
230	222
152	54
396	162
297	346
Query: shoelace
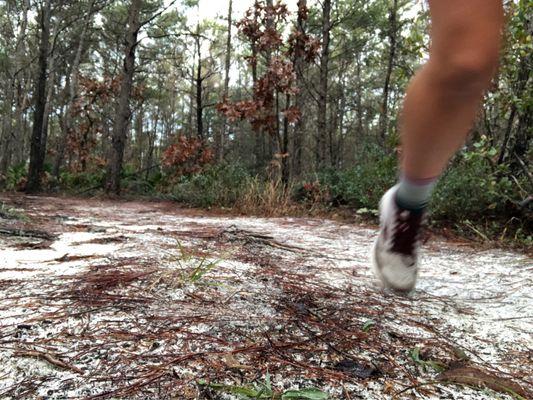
406	232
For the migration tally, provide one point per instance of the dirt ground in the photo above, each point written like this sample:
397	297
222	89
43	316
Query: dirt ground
104	299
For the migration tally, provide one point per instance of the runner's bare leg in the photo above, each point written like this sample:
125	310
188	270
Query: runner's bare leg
439	109
442	100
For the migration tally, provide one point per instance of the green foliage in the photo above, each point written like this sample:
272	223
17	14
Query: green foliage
474	188
197	267
264	390
426	365
15	176
363	185
305	394
217	186
368	325
136	183
81	180
257	391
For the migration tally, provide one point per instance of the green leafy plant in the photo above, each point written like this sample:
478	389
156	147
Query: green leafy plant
16	176
263	390
426	364
361	186
305	394
368	325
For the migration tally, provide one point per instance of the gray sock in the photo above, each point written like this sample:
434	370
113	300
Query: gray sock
414	194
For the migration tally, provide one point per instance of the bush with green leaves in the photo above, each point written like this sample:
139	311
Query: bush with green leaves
475	187
15	176
363	185
220	185
81	180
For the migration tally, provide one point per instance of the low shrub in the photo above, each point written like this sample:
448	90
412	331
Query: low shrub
15	177
363	185
473	188
220	186
80	181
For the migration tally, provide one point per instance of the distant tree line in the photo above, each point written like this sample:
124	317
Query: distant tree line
93	86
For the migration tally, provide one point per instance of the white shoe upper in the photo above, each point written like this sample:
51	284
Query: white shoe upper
395	252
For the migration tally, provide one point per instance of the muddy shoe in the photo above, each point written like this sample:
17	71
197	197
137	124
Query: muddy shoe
395	252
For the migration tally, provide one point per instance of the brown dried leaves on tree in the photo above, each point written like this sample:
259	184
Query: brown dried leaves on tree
186	156
89	110
262	28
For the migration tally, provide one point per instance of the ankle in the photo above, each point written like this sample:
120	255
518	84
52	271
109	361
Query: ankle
414	194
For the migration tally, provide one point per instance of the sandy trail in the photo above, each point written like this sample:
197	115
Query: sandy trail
145	300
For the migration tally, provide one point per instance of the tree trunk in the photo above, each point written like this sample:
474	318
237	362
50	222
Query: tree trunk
151	143
73	93
265	139
123	112
220	136
259	136
37	144
359	101
140	145
7	128
322	134
47	107
21	122
192	96
199	91
341	113
393	31
507	136
285	170
523	132
332	130
298	135
272	146
14	121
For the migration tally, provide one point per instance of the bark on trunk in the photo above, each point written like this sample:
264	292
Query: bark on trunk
285	170
37	144
298	135
151	143
220	137
339	156
199	89
137	141
272	144
523	132
189	132
73	93
7	128
322	134
47	107
123	112
12	121
393	31
359	103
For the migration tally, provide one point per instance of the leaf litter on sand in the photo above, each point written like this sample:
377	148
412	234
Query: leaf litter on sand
186	297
